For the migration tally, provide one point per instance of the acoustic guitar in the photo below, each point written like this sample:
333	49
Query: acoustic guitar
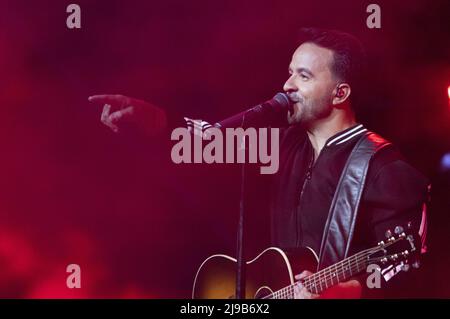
270	275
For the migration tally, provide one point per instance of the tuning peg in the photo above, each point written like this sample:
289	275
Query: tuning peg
405	267
416	264
394	257
398	230
388	233
409	225
381	243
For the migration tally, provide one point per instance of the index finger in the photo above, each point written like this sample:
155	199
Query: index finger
113	99
303	274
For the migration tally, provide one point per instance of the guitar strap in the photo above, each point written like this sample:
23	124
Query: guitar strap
339	228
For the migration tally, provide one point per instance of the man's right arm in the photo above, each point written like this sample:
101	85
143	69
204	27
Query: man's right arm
120	109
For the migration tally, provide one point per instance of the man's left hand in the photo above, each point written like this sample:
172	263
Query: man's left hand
346	290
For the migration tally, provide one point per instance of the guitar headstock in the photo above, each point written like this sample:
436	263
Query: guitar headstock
399	248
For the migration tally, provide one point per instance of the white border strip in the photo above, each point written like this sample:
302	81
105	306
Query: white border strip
344	134
351	136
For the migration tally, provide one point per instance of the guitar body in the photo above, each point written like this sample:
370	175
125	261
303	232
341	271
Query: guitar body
270	271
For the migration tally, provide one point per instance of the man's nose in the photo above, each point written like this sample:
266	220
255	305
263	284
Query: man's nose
289	85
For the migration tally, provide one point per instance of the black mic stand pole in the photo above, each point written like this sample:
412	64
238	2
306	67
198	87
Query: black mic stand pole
240	271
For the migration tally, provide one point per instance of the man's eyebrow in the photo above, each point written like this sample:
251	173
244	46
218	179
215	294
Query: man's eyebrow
300	70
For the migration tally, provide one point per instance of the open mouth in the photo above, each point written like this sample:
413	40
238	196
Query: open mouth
293	98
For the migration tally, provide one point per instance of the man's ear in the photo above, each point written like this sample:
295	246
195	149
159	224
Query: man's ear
341	93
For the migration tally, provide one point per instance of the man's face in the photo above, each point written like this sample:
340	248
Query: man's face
311	84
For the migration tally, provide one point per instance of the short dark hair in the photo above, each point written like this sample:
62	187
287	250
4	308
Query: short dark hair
349	56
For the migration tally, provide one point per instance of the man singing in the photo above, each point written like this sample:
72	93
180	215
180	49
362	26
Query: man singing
311	206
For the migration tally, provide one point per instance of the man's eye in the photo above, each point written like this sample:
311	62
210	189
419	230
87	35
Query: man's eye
304	76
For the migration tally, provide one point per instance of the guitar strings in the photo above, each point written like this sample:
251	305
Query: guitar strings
357	257
311	282
321	279
288	292
326	274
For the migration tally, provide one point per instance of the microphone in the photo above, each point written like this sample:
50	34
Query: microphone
270	113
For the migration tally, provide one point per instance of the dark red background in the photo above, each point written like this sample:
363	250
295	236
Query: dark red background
72	191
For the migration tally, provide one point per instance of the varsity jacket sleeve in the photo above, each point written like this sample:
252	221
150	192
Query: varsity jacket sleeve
396	194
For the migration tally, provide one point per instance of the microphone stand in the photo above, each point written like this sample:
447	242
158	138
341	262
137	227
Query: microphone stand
240	271
282	100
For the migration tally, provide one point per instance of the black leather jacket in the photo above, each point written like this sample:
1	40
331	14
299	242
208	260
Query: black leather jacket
307	211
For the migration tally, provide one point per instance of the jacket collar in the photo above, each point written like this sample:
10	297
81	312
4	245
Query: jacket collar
346	135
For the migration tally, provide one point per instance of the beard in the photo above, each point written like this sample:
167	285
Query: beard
308	111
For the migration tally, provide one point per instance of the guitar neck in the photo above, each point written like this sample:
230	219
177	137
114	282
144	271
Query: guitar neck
330	276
